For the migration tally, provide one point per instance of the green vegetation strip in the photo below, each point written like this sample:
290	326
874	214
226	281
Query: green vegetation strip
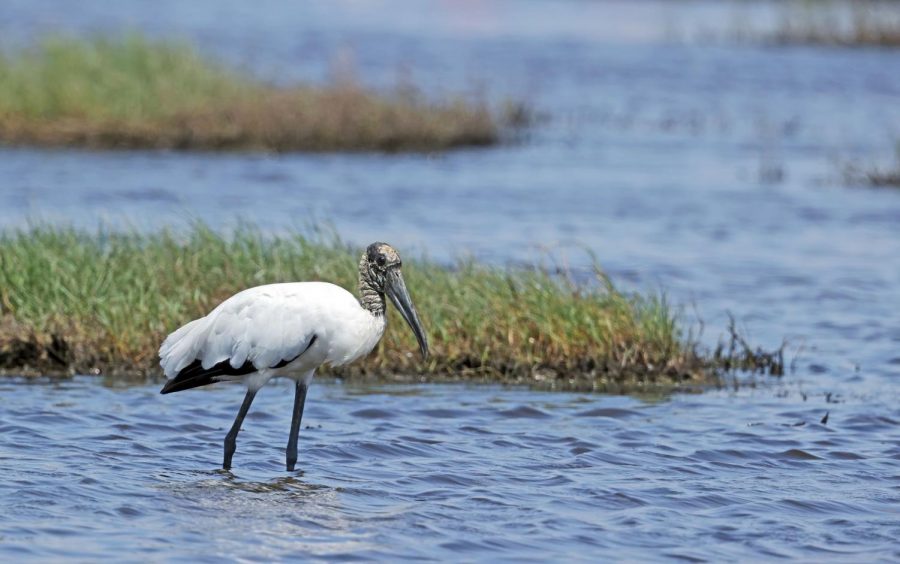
102	302
132	92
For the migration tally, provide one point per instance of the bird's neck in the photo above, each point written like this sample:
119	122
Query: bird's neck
370	298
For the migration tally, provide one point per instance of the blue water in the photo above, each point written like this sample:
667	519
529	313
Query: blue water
709	168
450	473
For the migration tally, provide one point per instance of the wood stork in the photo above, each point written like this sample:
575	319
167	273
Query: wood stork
288	330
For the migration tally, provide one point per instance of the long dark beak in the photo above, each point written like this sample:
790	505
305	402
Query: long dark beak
396	290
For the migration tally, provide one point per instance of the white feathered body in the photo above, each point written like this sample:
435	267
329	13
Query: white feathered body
267	325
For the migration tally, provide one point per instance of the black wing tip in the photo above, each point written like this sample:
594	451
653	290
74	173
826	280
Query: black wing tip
194	375
178	385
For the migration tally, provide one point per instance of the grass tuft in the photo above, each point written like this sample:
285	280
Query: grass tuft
102	302
133	92
875	176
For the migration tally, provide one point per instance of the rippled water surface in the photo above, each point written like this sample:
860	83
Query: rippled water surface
711	169
450	472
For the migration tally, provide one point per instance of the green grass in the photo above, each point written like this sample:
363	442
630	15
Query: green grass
103	302
133	92
108	79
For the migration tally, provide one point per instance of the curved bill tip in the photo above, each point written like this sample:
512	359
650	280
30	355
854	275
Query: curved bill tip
396	290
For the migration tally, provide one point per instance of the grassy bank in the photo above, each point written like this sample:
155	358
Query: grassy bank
131	92
102	302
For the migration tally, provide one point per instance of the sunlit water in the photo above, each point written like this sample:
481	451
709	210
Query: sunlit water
711	170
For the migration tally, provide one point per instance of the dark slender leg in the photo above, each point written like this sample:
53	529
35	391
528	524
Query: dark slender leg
231	437
299	401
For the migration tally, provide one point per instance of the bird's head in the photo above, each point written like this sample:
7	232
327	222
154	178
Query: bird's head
383	264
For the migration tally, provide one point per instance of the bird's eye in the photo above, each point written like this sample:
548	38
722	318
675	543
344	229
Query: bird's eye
380	261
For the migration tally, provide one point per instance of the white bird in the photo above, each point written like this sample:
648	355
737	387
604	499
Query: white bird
288	330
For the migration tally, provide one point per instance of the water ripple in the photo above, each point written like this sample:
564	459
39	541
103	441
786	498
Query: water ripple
404	473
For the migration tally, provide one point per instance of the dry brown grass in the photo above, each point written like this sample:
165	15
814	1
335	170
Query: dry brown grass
136	93
324	119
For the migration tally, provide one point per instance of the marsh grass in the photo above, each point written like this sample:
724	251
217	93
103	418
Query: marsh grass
883	178
858	23
133	92
102	302
873	175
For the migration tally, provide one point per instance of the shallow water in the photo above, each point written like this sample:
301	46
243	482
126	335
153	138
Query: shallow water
448	472
708	169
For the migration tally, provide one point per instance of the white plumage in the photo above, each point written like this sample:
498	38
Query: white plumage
269	324
287	330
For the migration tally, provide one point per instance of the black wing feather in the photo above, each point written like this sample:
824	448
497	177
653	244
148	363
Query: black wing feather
194	375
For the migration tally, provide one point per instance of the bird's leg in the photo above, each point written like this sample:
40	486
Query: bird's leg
299	401
231	437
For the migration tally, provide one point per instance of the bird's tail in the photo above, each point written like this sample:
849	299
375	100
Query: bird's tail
178	358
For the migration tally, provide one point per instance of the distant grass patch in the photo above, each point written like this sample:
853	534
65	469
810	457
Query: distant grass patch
103	302
133	92
876	177
856	23
879	177
884	178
